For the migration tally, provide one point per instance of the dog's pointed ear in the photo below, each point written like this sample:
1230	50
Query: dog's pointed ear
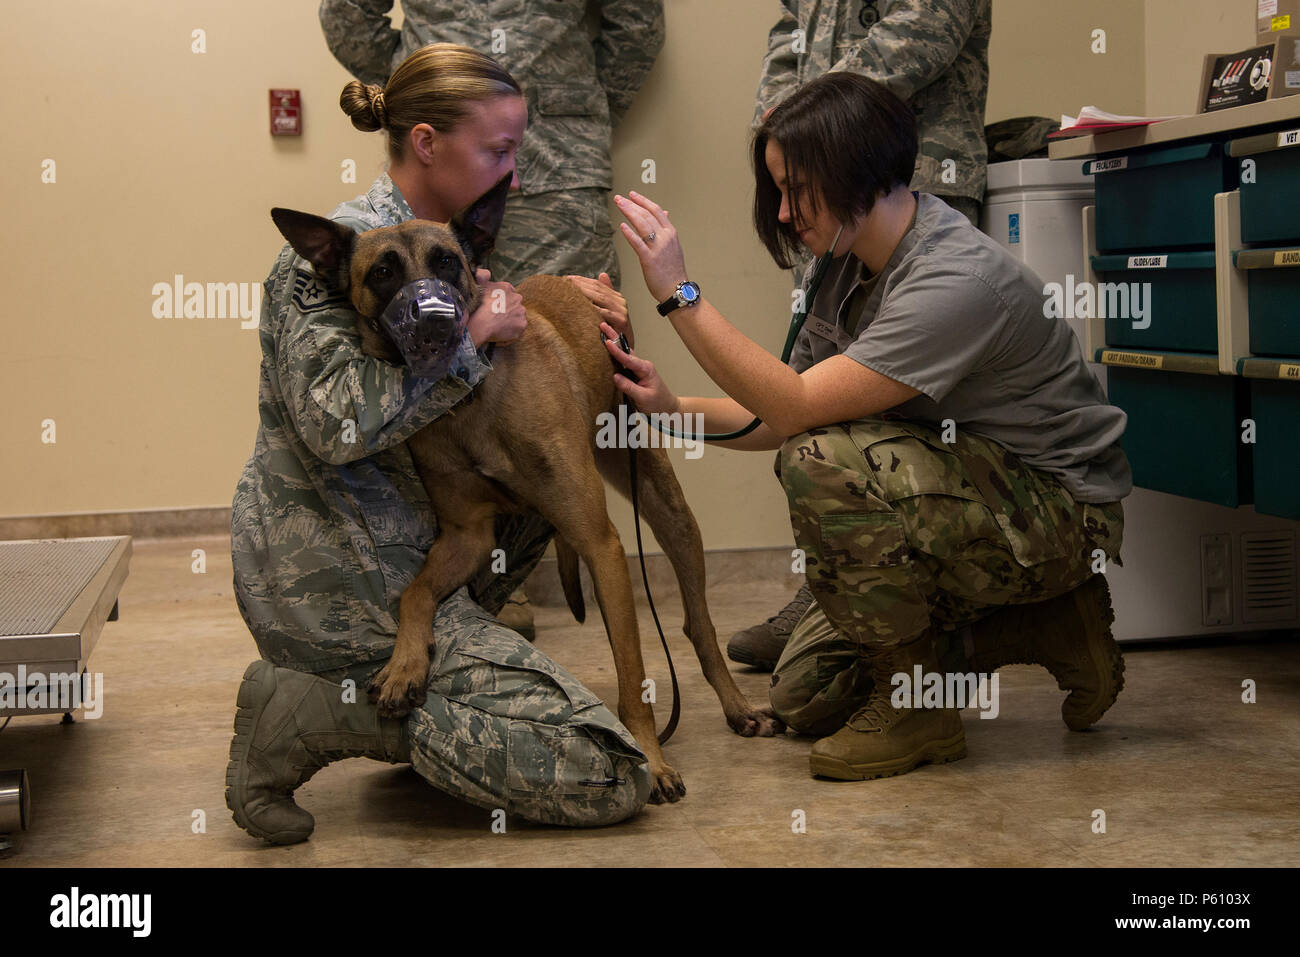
476	228
325	244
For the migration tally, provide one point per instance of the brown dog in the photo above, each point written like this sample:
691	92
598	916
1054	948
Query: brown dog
526	442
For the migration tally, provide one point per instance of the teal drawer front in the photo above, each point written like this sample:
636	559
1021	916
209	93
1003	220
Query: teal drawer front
1161	199
1275	407
1273	276
1171	307
1184	432
1269	169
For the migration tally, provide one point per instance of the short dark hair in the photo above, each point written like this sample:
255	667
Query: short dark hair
845	136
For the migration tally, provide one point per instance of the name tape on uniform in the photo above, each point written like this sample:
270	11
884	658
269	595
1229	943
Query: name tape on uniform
825	329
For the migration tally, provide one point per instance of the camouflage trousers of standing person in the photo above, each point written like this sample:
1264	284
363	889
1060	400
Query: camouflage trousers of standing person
504	726
557	233
904	533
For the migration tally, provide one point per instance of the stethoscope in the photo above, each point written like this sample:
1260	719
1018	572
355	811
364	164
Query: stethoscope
796	326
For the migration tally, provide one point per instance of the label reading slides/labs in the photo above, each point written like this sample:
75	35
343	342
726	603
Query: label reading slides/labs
1148	262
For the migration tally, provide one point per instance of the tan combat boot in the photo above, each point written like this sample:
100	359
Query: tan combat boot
288	726
517	615
1070	637
881	740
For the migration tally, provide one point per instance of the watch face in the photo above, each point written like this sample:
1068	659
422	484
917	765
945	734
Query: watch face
689	292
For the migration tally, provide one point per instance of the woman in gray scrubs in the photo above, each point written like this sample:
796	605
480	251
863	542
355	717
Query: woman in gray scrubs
953	469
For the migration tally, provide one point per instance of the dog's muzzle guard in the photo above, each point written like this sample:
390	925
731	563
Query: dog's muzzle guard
426	321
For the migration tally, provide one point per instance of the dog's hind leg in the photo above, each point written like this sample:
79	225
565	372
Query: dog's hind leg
578	511
465	540
660	500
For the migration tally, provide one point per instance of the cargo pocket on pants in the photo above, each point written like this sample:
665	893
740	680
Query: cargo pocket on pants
550	762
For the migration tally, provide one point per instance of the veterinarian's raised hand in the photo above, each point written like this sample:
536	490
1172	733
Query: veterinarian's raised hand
654	240
650	393
501	316
607	300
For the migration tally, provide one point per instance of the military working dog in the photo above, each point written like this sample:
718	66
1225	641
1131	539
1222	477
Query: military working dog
525	443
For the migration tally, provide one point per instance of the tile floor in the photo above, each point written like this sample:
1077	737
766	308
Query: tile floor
1186	773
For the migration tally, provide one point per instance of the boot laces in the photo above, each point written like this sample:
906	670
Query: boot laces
791	613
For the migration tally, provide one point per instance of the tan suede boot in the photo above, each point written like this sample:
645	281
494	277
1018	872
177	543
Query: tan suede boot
1070	637
881	740
517	615
288	726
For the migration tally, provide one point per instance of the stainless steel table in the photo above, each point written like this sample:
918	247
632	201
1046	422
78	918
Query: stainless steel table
55	595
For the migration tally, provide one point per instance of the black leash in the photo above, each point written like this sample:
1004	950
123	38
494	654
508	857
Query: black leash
640	551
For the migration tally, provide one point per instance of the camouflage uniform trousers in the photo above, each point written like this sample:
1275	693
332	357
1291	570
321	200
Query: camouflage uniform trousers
504	726
557	233
904	534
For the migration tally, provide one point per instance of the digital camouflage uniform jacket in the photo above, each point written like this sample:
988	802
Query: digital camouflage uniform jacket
330	521
931	53
576	89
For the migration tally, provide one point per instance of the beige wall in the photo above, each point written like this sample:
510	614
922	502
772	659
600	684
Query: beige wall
1180	33
165	166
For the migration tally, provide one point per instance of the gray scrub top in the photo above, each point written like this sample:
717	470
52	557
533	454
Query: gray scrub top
956	317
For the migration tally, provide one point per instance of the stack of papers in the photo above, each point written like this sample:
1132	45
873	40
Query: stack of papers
1092	120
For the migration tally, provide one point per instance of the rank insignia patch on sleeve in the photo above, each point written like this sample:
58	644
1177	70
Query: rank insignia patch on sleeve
310	294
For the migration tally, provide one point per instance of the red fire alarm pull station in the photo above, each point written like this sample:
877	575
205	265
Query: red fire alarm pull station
286	113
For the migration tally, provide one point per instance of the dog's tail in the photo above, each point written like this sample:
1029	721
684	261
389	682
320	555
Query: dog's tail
567	562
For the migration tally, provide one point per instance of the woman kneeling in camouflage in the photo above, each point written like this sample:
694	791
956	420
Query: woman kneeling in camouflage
953	468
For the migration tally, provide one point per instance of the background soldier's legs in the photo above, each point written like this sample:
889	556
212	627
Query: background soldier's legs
558	233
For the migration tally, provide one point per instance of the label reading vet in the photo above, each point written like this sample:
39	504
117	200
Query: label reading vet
1148	262
1108	166
1289	137
1287	257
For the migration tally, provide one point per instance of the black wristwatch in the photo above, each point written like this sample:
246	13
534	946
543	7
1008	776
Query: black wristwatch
686	294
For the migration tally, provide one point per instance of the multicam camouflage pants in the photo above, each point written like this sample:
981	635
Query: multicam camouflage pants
504	726
558	233
904	534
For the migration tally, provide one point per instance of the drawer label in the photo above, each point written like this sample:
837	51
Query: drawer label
1108	166
1289	137
1112	358
1288	372
1287	257
1148	262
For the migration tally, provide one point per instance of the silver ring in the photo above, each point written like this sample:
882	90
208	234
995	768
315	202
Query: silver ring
650	238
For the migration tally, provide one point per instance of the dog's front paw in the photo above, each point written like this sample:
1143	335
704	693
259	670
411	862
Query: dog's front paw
399	688
668	786
756	722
